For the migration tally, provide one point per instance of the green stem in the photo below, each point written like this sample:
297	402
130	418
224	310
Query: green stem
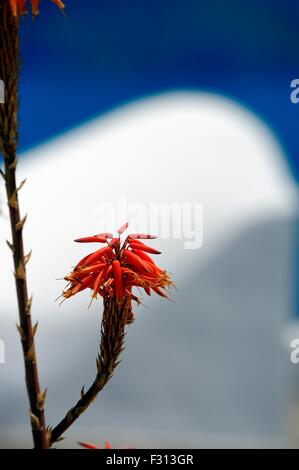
115	318
9	73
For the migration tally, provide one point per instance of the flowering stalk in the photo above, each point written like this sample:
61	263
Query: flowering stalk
9	73
111	273
112	344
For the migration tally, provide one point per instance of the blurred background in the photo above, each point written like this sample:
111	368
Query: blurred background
159	103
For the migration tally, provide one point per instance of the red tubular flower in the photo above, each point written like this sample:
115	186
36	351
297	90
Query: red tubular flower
107	445
113	270
18	7
87	445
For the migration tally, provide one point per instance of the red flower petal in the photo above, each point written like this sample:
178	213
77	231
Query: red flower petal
135	261
142	247
87	445
118	279
142	235
123	228
104	235
97	255
95	239
143	256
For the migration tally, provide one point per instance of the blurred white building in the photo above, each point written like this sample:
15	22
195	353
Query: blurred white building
209	370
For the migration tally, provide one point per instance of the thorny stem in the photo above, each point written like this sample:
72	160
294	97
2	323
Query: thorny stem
115	318
9	73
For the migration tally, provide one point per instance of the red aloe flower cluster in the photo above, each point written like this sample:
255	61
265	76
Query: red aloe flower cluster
18	7
113	270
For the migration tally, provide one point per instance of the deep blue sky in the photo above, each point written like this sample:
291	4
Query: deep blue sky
110	51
